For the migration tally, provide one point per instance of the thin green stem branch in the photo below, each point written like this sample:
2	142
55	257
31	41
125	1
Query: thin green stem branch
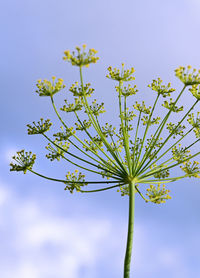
178	163
136	134
167	150
146	130
117	153
83	144
87	169
102	189
158	132
91	138
167	180
95	125
86	161
124	130
171	134
71	182
147	200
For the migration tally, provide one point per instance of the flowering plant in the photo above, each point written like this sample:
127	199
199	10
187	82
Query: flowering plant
130	156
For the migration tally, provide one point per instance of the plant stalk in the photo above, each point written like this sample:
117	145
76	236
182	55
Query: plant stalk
127	260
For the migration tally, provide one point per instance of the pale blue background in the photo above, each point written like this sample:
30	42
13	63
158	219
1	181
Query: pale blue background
44	231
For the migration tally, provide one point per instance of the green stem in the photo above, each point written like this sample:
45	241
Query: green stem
101	189
167	149
78	157
96	127
115	151
71	182
174	165
83	144
170	135
146	130
127	260
87	169
136	134
157	134
124	129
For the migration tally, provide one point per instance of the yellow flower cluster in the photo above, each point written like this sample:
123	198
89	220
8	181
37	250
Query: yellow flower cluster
195	90
80	91
123	75
127	91
49	88
187	76
75	181
191	169
158	194
39	127
142	107
164	90
25	161
81	58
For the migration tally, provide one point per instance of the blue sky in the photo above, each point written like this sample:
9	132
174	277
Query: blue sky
45	231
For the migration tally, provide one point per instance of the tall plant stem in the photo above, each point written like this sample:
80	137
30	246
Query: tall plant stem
127	260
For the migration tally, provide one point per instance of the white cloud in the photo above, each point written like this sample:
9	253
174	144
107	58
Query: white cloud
37	244
8	153
4	195
46	246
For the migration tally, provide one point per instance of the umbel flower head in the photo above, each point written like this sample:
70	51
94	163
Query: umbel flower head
123	75
158	194
164	90
195	90
49	88
147	148
41	127
25	161
81	57
123	156
188	75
